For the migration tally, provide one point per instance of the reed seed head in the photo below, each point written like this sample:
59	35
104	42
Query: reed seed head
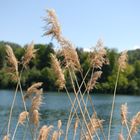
55	135
53	28
120	137
124	112
36	102
135	123
59	125
22	117
122	61
60	82
93	126
98	56
91	83
35	118
12	61
6	137
35	88
70	54
44	132
68	50
76	125
29	54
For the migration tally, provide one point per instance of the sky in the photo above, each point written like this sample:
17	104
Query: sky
83	22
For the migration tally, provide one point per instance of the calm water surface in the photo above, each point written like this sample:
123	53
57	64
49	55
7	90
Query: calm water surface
57	106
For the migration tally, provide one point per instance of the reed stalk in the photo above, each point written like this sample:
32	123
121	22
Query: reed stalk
84	119
11	110
75	112
86	110
73	103
122	64
91	102
113	103
13	137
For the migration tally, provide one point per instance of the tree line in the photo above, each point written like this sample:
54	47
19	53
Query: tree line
40	70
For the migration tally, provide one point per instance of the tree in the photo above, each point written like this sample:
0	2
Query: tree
43	55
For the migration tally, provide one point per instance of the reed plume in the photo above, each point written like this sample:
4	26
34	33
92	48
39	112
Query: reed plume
36	102
34	89
53	28
23	115
29	54
120	137
59	124
13	63
98	56
55	135
93	126
70	55
75	127
91	83
124	114
68	49
35	118
135	123
60	82
13	71
44	132
6	137
122	61
35	106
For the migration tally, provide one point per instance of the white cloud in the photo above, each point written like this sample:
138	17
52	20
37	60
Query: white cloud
136	47
87	49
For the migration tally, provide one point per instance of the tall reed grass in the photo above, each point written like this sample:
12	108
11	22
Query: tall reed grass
90	125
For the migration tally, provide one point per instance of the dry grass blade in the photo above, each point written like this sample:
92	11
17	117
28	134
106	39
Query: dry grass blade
23	115
53	28
91	84
60	82
124	114
12	61
44	132
98	56
34	89
29	54
122	61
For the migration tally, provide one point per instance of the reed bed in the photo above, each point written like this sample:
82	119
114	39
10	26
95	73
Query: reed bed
90	125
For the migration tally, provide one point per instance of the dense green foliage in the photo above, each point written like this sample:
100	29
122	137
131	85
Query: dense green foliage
40	70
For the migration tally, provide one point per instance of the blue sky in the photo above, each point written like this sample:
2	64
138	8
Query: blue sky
83	22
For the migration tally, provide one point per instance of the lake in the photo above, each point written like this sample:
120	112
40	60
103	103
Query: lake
57	106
